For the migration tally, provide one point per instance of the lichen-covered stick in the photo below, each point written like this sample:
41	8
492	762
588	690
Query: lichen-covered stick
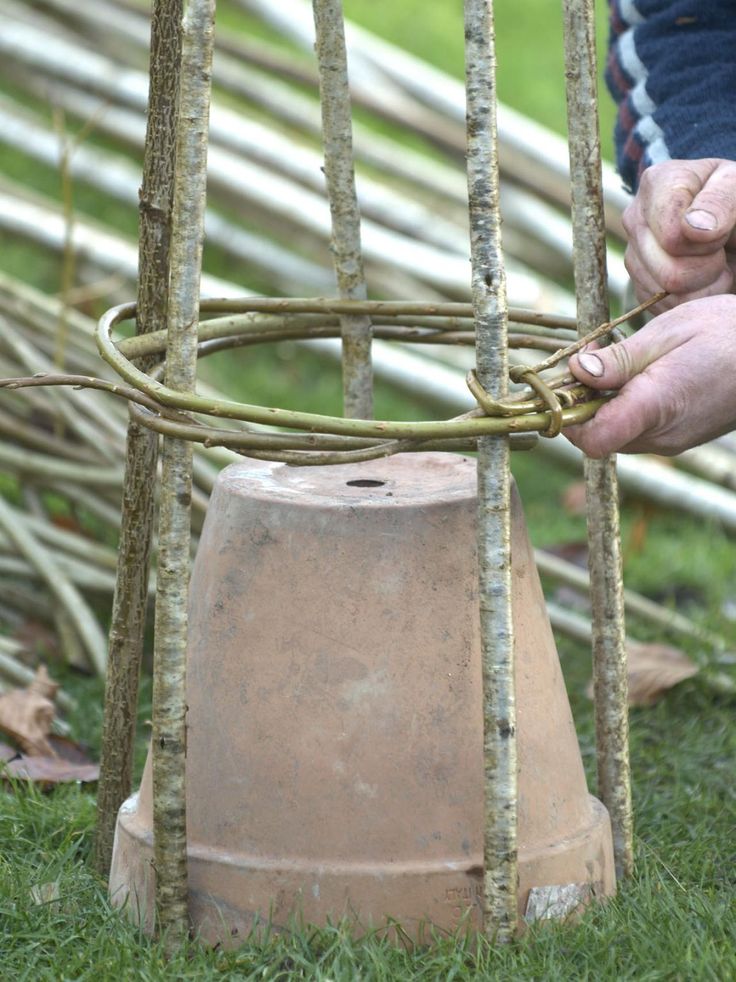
609	651
337	135
494	523
136	531
169	682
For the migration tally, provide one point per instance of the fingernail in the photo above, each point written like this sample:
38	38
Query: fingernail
591	363
703	220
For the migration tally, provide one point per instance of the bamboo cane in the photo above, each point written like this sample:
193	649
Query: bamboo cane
243	136
169	710
57	582
531	154
609	648
634	603
494	523
644	476
128	620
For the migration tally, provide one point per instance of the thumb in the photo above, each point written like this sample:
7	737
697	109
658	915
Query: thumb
711	216
613	366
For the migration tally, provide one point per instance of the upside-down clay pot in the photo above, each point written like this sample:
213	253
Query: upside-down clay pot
335	732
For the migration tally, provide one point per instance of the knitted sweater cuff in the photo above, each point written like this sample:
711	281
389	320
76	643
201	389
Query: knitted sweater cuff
672	70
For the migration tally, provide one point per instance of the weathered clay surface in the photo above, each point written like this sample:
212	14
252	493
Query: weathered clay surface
335	732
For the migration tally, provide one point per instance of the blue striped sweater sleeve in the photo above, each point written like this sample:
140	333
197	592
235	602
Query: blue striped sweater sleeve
672	71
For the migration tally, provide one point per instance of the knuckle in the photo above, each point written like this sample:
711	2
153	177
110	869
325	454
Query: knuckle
623	360
674	280
684	278
720	200
632	264
629	218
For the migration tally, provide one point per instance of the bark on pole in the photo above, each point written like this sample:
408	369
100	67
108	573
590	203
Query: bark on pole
169	682
589	235
337	136
494	483
131	588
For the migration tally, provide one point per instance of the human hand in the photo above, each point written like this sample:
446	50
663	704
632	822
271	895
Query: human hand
675	379
681	230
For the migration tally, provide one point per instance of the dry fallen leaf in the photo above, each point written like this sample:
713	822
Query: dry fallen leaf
50	770
26	715
653	670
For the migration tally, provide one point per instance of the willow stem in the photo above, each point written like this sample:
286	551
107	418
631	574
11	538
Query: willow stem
128	622
169	683
589	236
494	484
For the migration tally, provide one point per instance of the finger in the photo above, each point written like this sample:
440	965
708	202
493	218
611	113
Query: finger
618	425
711	216
683	279
681	275
666	193
689	205
644	283
612	367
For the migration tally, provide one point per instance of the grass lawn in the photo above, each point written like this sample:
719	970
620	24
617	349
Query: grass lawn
674	920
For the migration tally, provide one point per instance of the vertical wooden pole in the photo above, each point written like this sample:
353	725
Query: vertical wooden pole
169	681
337	135
589	234
494	482
131	586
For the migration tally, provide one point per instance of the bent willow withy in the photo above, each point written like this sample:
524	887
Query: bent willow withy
545	407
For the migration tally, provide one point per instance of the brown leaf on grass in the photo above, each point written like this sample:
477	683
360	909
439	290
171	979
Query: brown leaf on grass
47	771
26	715
653	670
68	763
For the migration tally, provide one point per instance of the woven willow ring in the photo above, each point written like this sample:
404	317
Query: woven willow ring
545	407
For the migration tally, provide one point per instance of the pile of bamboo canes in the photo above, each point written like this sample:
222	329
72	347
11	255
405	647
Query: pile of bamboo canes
63	449
268	213
61	456
265	166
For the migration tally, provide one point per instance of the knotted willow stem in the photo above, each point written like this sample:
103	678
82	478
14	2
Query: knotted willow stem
136	531
337	135
169	691
494	487
609	652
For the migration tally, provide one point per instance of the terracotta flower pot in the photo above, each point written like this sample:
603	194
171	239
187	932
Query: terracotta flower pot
335	735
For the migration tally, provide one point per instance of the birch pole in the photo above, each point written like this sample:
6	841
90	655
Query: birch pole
337	136
169	679
589	237
494	483
131	587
